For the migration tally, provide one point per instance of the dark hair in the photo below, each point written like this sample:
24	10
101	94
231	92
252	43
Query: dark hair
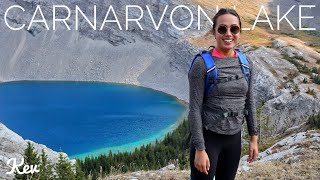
224	11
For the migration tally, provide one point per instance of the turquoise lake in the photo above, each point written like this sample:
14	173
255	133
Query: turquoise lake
87	118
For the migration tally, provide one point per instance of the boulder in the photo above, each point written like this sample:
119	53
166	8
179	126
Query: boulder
279	43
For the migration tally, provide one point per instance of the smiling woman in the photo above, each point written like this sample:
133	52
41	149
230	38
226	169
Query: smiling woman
86	118
220	83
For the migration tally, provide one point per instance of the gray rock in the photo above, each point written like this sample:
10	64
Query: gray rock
169	167
291	51
286	111
286	150
279	43
12	146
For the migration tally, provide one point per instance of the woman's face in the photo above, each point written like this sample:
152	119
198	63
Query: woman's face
227	31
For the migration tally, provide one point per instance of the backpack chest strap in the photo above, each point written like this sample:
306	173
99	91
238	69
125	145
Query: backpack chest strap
235	113
212	73
243	112
223	80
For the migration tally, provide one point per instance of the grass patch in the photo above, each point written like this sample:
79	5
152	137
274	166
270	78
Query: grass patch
289	34
255	47
316	78
314	121
271	141
301	68
312	33
305	167
301	58
314	72
311	92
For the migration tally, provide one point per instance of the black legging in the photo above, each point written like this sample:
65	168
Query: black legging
224	155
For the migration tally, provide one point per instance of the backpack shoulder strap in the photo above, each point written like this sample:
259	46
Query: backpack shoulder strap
244	65
212	73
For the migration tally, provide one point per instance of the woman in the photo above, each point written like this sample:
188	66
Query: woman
215	146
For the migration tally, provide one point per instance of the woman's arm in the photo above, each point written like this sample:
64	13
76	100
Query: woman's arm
197	76
250	105
252	118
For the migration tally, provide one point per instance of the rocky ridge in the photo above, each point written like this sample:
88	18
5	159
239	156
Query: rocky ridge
12	146
294	157
280	87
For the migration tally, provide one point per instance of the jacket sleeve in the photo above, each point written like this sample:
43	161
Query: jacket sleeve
196	76
250	105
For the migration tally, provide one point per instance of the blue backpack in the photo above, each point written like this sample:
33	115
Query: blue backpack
212	72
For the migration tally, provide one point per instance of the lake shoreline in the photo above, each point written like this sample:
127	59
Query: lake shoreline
130	146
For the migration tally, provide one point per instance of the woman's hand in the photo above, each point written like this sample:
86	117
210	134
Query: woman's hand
253	149
201	161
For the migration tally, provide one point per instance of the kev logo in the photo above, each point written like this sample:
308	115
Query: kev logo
27	169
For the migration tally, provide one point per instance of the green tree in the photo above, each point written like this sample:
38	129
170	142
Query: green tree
31	159
173	148
46	172
79	173
64	169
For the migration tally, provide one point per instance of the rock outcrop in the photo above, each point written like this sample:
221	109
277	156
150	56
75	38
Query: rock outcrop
12	146
280	87
295	156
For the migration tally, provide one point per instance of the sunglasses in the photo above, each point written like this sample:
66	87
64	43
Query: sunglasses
222	29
